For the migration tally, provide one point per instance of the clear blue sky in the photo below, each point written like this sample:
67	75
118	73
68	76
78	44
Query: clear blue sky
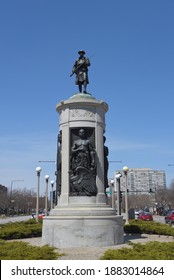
131	45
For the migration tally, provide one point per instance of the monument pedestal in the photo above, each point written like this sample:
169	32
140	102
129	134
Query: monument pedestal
82	218
83	225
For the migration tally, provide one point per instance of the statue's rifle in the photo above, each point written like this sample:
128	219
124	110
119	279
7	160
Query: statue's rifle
78	67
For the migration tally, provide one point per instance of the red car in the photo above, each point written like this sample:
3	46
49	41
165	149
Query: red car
145	216
169	218
41	215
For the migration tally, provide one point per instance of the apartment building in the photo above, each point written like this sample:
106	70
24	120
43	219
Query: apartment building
144	180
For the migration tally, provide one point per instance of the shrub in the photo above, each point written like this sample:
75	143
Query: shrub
149	251
18	250
148	227
19	230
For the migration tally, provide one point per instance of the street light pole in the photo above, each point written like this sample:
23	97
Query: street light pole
125	170
48	161
38	171
46	195
113	193
52	186
117	177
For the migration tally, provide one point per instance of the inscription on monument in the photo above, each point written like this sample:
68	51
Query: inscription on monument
80	113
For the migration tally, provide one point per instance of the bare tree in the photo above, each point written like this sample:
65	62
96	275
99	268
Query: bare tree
23	201
170	194
3	199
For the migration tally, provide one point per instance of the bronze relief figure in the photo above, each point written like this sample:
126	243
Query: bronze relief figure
82	165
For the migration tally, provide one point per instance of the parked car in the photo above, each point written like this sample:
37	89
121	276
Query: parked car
136	211
162	212
169	218
41	215
145	216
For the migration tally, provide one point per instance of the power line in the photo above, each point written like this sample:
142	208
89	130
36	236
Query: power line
115	161
50	161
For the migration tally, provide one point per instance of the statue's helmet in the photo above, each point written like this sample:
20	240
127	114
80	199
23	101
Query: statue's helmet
81	52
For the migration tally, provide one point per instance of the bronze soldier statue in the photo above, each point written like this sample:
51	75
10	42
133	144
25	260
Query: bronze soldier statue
80	68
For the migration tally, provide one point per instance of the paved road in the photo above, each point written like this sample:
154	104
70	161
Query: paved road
5	220
159	219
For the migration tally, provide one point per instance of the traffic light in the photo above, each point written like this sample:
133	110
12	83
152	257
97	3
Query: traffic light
150	190
54	196
120	196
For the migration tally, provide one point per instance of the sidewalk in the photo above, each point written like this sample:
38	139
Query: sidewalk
94	253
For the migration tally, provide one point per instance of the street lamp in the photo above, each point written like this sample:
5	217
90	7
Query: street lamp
125	170
118	175
52	186
46	194
38	171
113	193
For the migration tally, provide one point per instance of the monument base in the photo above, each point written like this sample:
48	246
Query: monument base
82	226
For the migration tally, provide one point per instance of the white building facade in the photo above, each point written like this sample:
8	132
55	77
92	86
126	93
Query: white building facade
144	180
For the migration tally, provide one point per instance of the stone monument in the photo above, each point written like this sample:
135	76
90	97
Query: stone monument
81	217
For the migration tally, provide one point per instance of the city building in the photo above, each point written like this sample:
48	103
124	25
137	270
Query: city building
143	180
